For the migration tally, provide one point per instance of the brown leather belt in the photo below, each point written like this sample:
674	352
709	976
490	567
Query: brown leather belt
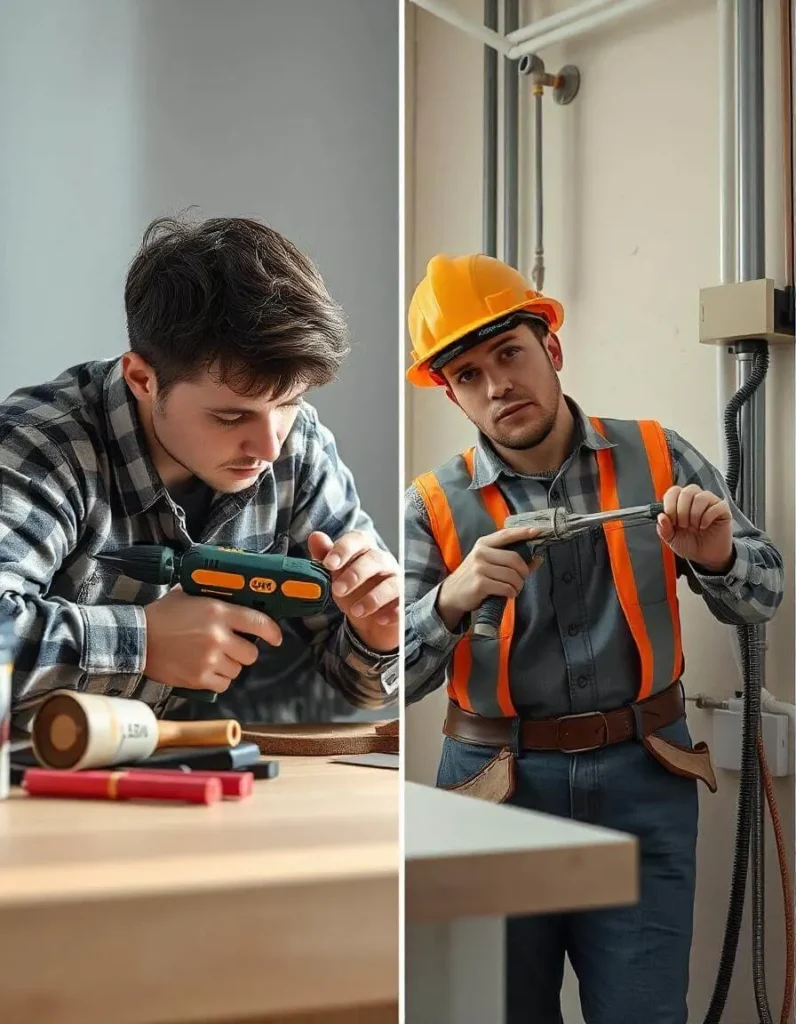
570	733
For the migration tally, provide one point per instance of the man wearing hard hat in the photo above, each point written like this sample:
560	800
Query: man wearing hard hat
576	707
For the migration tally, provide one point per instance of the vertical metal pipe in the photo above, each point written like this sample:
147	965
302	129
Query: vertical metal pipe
490	189
727	202
750	133
511	125
727	186
749	73
538	263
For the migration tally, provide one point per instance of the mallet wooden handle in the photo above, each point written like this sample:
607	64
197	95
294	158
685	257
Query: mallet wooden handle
221	733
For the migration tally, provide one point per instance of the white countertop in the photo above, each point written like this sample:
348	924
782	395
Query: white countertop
466	857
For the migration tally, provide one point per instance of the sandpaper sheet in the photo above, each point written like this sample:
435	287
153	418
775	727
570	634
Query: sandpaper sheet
370	760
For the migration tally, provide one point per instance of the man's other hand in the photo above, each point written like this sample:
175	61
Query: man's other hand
364	585
697	526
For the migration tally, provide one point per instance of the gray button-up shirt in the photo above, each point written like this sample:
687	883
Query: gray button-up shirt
572	650
76	480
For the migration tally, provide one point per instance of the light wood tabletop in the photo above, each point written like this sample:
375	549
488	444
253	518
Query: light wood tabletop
133	913
466	857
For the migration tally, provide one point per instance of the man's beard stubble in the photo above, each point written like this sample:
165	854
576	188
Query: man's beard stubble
531	439
536	434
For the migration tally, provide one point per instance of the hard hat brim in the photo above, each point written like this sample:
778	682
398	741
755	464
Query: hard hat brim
420	373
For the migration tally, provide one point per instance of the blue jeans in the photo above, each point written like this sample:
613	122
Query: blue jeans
631	962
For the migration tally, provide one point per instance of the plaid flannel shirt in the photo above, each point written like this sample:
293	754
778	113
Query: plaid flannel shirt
572	650
76	480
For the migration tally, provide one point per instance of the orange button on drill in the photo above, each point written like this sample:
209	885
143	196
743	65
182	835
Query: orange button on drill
302	589
213	578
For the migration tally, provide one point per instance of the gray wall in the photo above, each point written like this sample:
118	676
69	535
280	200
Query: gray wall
113	113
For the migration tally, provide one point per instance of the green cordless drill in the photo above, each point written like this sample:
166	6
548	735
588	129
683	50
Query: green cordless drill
281	587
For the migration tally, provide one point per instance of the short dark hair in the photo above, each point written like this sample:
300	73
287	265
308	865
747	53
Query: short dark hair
537	327
234	297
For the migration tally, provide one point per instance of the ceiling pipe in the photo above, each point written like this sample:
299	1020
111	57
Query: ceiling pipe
553	21
445	12
567	24
579	27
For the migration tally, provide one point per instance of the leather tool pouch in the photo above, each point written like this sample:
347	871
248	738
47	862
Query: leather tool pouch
494	782
691	763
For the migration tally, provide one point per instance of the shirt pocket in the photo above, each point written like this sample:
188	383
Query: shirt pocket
647	569
596	547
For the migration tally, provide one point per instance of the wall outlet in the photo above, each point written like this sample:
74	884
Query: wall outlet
728	733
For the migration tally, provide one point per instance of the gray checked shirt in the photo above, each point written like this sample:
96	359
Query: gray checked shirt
572	650
76	480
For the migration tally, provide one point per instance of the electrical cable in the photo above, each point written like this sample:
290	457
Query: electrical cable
748	788
787	887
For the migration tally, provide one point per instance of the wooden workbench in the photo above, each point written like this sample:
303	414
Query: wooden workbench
469	864
283	904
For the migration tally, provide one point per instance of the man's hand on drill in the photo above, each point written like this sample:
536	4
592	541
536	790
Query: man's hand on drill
487	570
364	585
697	526
195	642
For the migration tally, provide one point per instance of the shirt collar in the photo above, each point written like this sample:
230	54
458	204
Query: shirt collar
139	483
488	466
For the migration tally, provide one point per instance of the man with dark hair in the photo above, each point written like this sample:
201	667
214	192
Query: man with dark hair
200	433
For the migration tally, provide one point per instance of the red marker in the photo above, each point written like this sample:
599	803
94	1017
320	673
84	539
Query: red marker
124	785
234	784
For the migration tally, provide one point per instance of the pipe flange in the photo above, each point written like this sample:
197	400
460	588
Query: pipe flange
567	90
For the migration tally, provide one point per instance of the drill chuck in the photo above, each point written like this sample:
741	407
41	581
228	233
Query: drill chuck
148	563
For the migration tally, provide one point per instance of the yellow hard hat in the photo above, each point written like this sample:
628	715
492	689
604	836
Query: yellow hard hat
458	296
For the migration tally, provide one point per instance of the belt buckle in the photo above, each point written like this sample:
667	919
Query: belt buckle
582	750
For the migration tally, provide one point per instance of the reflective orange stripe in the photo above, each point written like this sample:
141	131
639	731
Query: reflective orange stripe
445	535
662	478
498	509
460	675
447	538
441	520
621	565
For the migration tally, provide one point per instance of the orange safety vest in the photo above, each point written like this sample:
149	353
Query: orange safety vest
636	471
